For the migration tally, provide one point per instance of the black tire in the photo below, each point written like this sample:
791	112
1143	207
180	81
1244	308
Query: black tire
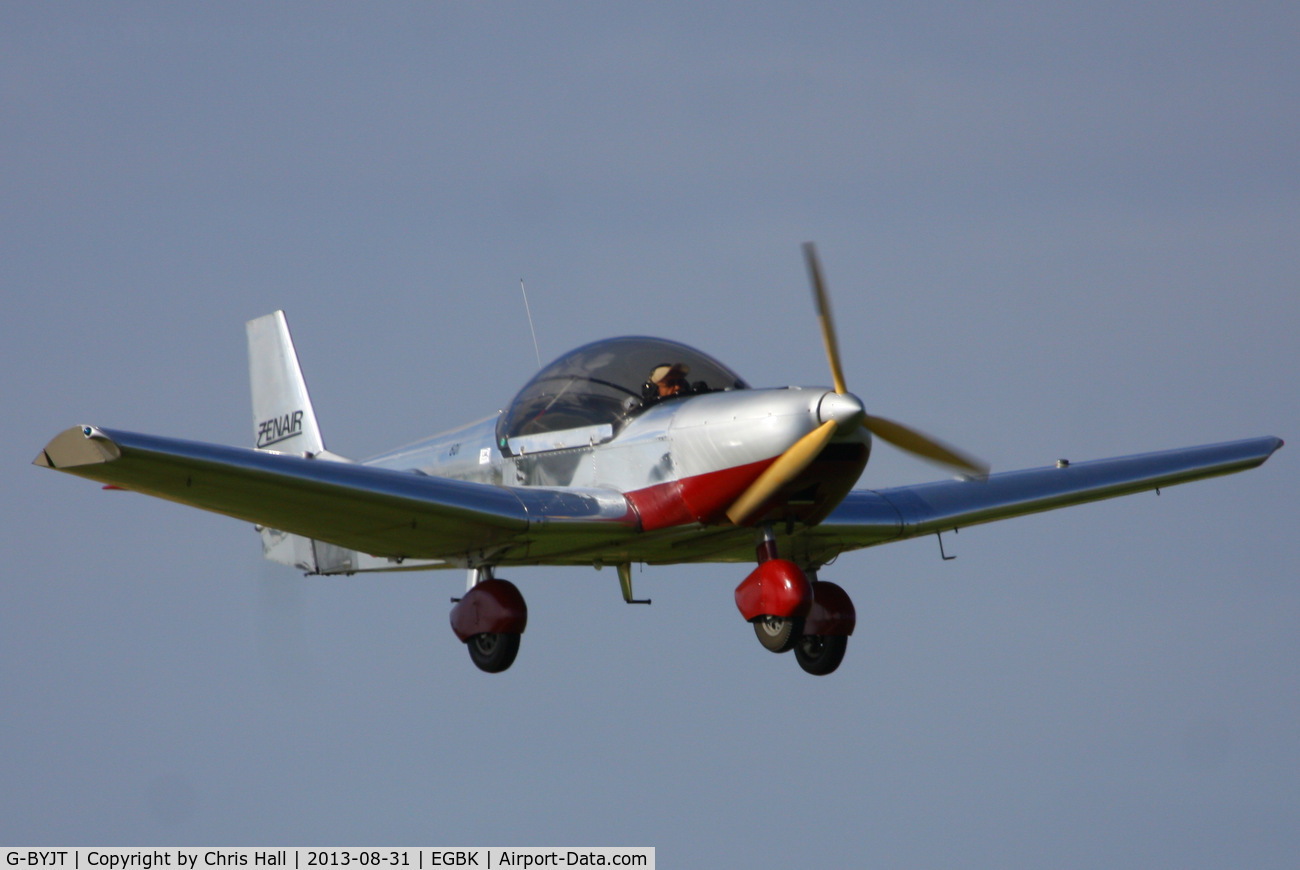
493	652
820	655
778	633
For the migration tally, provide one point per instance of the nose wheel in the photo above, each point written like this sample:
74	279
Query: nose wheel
778	633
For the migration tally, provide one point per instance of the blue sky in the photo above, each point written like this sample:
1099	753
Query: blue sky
1053	232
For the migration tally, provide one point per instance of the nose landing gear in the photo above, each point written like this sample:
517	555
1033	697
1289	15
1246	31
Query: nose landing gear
776	633
790	612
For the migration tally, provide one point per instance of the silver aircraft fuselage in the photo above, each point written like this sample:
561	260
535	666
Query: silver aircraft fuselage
684	460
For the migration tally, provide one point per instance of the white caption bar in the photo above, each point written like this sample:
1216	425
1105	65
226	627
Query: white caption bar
389	858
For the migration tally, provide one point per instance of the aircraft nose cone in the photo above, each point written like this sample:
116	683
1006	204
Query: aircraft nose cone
844	408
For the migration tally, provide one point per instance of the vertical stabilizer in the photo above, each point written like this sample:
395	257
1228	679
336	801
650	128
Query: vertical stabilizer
283	419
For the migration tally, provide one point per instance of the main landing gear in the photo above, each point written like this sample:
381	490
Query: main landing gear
493	651
820	654
489	620
790	612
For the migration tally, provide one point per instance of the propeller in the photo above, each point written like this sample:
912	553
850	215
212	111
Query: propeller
787	467
800	455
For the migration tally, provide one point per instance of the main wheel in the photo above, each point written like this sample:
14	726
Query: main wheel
493	652
820	655
778	633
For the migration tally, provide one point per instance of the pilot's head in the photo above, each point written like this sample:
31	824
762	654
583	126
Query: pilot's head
670	379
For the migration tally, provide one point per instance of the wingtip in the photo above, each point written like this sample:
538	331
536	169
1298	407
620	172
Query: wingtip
80	445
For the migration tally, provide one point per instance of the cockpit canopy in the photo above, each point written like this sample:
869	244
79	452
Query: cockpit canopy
606	384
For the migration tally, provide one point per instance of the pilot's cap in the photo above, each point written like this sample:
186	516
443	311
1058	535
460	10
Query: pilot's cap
669	371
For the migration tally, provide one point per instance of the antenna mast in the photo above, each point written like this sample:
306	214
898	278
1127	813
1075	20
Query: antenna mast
530	323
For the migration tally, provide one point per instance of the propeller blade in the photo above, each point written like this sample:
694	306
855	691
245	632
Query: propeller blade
924	446
787	467
823	303
800	455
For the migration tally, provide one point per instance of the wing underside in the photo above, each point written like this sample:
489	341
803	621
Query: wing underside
405	515
868	517
395	514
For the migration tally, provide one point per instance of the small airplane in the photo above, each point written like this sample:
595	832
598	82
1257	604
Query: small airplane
627	450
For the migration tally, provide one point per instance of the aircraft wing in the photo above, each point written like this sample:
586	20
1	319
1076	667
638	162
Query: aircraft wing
399	514
867	517
407	515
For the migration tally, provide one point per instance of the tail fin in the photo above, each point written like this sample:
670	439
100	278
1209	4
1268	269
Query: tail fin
283	419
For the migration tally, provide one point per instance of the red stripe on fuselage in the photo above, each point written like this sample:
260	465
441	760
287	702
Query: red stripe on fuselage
702	498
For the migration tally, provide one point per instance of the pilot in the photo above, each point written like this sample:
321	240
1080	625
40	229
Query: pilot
668	380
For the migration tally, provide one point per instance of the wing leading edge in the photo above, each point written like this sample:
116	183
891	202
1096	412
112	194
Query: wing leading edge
372	510
868	517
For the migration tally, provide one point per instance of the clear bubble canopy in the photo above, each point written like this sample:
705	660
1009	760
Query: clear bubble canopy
608	383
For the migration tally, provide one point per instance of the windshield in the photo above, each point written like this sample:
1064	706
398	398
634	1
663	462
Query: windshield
608	383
